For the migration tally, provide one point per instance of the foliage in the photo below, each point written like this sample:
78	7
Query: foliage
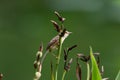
93	73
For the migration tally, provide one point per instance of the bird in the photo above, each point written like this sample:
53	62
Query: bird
54	42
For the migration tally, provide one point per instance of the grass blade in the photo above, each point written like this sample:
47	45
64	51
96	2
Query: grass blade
118	76
95	70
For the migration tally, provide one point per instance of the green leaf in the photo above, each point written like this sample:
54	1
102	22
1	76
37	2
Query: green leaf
118	76
95	70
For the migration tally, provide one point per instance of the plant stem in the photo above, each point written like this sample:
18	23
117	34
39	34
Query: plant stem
64	73
88	71
52	72
52	76
58	58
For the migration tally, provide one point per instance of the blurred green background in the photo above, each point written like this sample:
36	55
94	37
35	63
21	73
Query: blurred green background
25	23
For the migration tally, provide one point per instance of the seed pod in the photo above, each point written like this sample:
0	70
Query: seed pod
39	54
83	57
60	18
57	27
41	47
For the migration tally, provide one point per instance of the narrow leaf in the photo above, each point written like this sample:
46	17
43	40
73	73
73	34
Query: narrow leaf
95	70
118	76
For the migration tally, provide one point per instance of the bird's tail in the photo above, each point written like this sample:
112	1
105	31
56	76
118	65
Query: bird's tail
45	54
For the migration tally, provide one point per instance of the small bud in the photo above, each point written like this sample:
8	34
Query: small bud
40	67
37	75
1	75
39	53
38	56
41	47
35	64
38	63
102	70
